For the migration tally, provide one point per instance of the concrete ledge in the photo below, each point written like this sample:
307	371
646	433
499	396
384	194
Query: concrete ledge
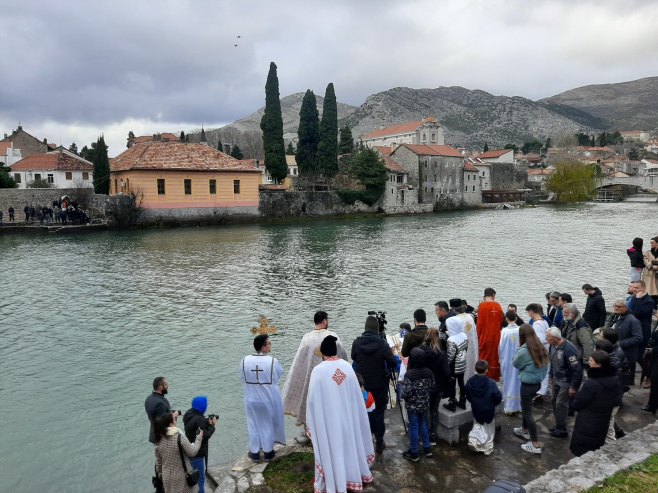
453	426
592	468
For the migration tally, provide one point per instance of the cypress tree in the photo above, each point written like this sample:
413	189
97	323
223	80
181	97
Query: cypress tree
346	145
182	136
272	126
308	136
486	147
290	150
101	167
220	146
328	146
236	152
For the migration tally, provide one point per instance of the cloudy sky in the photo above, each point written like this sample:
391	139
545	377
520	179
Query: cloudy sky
74	69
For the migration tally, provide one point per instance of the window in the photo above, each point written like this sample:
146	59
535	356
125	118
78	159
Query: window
236	186
433	137
213	187
85	175
391	191
51	178
424	137
188	186
17	177
474	188
69	175
468	176
161	186
116	188
37	176
466	188
391	178
400	178
127	183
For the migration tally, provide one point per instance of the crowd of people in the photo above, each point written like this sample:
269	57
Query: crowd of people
580	362
63	211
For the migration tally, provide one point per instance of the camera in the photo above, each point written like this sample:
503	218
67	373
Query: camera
211	416
381	318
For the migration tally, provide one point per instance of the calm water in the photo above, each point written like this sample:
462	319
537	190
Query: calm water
86	322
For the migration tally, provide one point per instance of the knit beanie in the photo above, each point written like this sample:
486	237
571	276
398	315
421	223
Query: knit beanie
372	324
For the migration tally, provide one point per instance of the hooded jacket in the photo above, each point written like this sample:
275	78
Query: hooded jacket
578	333
594	403
193	420
372	354
636	256
484	396
456	346
595	313
418	384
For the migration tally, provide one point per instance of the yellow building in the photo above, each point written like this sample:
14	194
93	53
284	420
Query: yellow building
178	180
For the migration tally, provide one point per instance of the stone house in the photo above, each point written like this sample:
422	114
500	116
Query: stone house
61	169
26	143
635	135
472	185
399	196
537	178
185	181
436	171
426	131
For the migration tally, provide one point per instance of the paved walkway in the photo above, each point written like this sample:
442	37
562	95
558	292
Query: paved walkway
457	469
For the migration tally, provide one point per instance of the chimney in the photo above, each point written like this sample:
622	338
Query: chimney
5	136
19	128
45	141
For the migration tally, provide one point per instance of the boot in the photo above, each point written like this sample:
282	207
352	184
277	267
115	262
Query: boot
462	402
451	405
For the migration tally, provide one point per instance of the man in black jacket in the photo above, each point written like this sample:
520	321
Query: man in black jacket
629	331
417	335
595	313
194	421
373	358
643	307
157	405
443	313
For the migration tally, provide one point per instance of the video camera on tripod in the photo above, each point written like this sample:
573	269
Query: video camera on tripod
381	319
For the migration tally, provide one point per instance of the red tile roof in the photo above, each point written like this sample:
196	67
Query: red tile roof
53	161
468	166
403	128
424	150
383	150
495	153
541	171
177	156
393	166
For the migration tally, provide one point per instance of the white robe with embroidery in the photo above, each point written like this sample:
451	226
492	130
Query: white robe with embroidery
540	327
509	344
338	426
308	357
473	351
260	375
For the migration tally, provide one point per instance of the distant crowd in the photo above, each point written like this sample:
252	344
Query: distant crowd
581	361
60	212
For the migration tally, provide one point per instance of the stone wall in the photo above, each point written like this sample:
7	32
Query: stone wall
294	204
195	215
593	468
39	197
505	176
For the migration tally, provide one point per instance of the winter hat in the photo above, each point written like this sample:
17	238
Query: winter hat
372	324
200	403
328	346
455	303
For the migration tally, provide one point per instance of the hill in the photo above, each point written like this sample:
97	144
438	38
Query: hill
625	106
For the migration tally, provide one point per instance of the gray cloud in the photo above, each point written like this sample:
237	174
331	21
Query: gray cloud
93	65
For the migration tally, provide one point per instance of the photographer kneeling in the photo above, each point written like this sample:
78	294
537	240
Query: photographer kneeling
374	358
194	420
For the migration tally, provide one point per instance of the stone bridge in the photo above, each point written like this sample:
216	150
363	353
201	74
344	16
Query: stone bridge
648	183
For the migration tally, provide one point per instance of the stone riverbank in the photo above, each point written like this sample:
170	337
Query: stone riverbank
457	469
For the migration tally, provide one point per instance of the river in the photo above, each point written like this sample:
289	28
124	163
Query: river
87	321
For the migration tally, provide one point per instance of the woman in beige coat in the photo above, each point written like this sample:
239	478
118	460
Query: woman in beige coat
167	457
651	268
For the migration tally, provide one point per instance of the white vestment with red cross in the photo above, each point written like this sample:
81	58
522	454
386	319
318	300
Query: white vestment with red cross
338	425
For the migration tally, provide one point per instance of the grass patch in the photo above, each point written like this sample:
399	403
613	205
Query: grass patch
292	474
638	478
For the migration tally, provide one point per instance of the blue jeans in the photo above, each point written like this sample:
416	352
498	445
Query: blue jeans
418	423
199	463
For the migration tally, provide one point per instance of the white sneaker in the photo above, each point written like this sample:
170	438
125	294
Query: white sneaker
523	434
529	447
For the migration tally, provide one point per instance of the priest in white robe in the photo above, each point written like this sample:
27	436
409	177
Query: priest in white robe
260	374
469	328
509	344
337	423
308	357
